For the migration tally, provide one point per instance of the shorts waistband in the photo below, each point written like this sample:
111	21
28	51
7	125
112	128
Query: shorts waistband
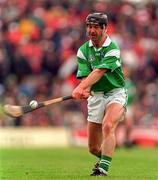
114	90
100	92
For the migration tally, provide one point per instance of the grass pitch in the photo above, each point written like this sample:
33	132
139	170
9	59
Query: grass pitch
75	163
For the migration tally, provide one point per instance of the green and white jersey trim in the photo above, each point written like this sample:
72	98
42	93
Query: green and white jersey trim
118	63
113	52
81	55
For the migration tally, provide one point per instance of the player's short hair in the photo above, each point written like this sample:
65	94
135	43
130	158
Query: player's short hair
97	19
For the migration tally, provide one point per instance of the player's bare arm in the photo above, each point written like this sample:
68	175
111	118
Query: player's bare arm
82	91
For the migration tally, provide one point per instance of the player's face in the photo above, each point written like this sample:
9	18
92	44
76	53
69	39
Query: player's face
95	32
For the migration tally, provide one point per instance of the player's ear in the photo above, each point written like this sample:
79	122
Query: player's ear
105	28
104	32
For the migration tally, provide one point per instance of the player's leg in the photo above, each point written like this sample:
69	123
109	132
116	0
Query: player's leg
96	109
95	141
94	138
114	113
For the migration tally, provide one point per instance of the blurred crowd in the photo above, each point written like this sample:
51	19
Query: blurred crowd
38	44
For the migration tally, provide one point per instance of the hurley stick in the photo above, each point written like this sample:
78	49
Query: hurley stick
17	111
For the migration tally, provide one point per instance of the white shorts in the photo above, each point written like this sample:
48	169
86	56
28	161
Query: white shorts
99	101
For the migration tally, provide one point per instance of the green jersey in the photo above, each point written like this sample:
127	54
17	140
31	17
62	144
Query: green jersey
106	57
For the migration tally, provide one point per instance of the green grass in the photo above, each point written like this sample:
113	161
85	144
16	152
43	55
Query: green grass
75	163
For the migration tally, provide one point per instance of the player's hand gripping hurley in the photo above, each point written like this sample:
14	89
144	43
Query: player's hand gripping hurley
17	111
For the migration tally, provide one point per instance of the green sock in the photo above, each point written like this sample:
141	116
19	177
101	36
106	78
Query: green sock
104	163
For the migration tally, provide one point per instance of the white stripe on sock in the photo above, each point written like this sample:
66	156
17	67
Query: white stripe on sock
105	161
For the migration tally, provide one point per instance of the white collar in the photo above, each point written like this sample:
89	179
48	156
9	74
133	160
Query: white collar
106	43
